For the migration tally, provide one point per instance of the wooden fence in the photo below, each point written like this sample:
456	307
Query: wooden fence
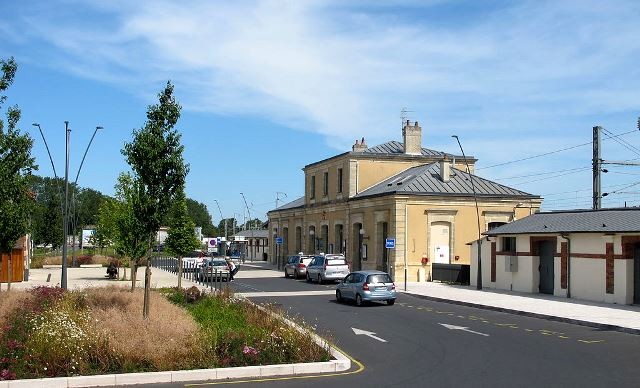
17	266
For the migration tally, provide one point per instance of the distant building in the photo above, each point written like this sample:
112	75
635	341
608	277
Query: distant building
420	198
254	243
583	254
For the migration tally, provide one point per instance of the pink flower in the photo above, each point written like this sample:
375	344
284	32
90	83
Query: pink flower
249	350
6	374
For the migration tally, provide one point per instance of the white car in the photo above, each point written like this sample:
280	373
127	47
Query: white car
327	267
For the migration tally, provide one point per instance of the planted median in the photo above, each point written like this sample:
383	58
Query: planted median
48	332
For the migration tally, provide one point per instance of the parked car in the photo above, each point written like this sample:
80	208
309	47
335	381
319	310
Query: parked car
213	268
367	286
192	261
327	267
297	266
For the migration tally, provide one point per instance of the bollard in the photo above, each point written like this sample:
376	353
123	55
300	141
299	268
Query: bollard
48	278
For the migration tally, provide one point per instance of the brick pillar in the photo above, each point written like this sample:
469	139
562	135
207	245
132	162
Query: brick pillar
493	261
564	261
609	268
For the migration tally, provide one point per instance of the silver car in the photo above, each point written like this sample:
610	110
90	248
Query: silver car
213	269
297	266
327	267
367	286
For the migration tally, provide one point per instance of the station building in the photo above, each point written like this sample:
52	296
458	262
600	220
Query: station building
420	198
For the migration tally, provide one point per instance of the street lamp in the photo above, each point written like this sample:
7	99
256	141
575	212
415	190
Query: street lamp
475	198
221	217
250	228
65	210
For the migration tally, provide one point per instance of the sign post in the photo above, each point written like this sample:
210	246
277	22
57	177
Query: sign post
279	241
389	244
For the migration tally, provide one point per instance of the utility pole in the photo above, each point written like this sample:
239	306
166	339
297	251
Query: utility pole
221	217
597	161
278	197
63	280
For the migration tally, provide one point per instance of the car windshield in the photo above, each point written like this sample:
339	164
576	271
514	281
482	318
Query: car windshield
306	260
379	278
217	263
336	262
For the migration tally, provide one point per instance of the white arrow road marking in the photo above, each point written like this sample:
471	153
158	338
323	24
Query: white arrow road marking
462	328
367	333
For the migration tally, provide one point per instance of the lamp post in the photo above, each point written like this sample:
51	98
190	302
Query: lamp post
250	227
221	217
475	198
65	207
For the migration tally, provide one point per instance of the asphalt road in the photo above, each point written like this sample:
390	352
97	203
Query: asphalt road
479	348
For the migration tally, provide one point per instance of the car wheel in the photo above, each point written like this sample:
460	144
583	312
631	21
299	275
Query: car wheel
338	296
308	278
296	275
390	302
320	280
358	300
286	275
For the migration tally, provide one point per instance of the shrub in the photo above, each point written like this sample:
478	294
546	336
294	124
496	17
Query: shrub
85	259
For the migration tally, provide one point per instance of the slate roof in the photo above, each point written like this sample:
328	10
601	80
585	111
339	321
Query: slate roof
574	221
291	205
396	147
255	233
391	148
425	180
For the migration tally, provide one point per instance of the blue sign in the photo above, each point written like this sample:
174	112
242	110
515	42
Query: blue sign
279	240
390	243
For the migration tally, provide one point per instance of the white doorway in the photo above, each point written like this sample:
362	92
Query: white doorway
440	236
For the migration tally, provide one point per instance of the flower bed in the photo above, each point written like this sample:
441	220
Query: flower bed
49	332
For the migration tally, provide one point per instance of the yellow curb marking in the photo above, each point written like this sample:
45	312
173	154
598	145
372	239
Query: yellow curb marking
358	363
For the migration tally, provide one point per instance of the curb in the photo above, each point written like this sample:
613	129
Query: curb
596	325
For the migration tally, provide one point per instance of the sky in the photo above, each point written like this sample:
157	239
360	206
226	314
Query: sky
267	87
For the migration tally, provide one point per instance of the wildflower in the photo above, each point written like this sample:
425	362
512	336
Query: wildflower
248	350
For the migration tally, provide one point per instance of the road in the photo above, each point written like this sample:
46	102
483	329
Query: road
429	343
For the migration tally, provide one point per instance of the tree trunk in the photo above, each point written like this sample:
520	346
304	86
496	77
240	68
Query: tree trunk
179	272
147	290
134	270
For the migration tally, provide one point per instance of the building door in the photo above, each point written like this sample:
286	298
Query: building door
358	240
547	251
440	233
636	275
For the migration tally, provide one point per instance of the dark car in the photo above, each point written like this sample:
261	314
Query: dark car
367	286
297	266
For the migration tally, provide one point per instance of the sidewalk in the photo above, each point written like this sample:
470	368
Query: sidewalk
606	316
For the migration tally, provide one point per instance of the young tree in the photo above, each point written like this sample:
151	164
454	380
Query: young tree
16	165
155	156
182	237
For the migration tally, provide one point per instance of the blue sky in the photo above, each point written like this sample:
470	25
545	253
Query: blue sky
269	86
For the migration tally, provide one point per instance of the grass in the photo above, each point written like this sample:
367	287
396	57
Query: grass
47	332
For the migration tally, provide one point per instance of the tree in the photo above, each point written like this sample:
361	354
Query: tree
46	222
201	217
16	165
182	238
155	156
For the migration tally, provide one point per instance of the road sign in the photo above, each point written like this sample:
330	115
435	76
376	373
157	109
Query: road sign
279	240
213	241
390	243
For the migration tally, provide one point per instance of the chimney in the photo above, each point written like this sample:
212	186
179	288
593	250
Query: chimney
445	169
412	136
359	146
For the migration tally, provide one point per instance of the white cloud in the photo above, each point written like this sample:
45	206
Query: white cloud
346	70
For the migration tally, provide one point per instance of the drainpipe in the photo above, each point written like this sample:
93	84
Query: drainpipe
566	237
